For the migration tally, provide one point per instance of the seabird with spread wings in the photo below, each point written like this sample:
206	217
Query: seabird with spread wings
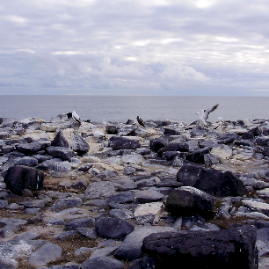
203	116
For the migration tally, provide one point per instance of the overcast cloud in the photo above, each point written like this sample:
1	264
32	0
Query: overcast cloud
127	47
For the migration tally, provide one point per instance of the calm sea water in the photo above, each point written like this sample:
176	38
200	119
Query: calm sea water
121	108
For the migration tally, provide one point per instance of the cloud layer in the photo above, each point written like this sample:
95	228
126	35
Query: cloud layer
127	47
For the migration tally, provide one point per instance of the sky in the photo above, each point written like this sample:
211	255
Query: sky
134	47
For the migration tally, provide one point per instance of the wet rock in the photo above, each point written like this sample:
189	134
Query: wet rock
21	177
113	228
231	248
188	200
214	182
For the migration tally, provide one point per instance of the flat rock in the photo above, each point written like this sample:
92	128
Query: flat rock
70	202
103	189
148	196
47	253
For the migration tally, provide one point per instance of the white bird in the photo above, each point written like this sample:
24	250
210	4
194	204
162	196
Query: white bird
76	117
203	116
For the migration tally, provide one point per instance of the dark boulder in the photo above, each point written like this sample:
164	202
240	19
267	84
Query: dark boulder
21	177
227	138
197	156
182	147
189	200
111	129
215	182
118	142
170	131
113	227
157	143
232	248
262	141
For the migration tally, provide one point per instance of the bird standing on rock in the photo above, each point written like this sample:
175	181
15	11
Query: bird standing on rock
140	121
203	116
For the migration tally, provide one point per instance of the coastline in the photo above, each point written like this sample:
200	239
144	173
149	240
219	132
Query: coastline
100	174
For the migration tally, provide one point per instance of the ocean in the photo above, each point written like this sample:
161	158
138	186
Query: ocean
122	108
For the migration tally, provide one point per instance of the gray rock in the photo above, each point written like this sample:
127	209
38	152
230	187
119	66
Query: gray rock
3	203
87	232
102	263
148	196
6	263
103	189
118	142
60	152
66	235
77	223
47	253
113	227
121	198
121	213
62	204
130	249
189	200
56	165
27	161
70	139
106	251
29	148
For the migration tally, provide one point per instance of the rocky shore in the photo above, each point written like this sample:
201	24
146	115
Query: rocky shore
121	195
